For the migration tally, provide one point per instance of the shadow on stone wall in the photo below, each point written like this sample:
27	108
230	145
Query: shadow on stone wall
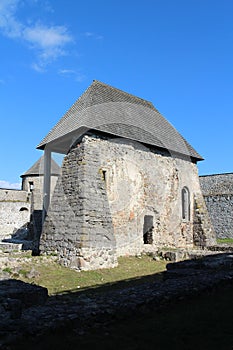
29	234
78	225
21	238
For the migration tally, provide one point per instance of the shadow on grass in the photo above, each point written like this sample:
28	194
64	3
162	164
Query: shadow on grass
109	287
203	321
211	263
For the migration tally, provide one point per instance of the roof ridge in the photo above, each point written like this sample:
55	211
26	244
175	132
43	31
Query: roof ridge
109	109
121	91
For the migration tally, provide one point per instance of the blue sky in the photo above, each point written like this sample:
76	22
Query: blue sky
178	54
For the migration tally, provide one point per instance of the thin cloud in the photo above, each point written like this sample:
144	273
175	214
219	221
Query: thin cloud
93	35
47	37
38	67
71	73
9	25
88	34
9	185
66	71
48	42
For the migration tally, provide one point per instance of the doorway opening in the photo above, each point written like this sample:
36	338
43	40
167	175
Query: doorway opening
148	227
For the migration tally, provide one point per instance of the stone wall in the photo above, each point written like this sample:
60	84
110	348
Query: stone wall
20	209
79	224
38	184
114	192
15	211
34	185
218	193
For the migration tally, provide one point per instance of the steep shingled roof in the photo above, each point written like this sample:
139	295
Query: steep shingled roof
38	168
110	110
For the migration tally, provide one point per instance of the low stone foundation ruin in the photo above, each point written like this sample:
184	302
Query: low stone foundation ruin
86	312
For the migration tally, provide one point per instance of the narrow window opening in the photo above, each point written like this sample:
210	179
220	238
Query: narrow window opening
104	175
31	186
185	204
148	227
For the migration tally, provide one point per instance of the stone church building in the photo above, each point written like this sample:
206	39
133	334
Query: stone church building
129	183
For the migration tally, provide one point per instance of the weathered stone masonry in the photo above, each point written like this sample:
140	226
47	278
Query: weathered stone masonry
15	211
218	193
129	182
21	210
110	189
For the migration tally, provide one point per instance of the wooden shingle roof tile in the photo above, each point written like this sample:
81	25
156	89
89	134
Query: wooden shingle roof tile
38	168
107	109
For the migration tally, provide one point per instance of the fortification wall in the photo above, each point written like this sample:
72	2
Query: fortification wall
15	211
218	194
7	195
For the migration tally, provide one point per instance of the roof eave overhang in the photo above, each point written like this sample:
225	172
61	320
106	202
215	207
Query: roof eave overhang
64	143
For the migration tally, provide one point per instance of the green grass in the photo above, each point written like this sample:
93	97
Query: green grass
7	270
225	240
58	279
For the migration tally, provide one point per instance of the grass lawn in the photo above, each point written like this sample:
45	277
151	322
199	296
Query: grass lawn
225	240
58	279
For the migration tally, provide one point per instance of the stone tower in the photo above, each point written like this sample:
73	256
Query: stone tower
32	182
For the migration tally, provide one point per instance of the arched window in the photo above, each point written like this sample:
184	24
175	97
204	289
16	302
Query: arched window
185	204
23	209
